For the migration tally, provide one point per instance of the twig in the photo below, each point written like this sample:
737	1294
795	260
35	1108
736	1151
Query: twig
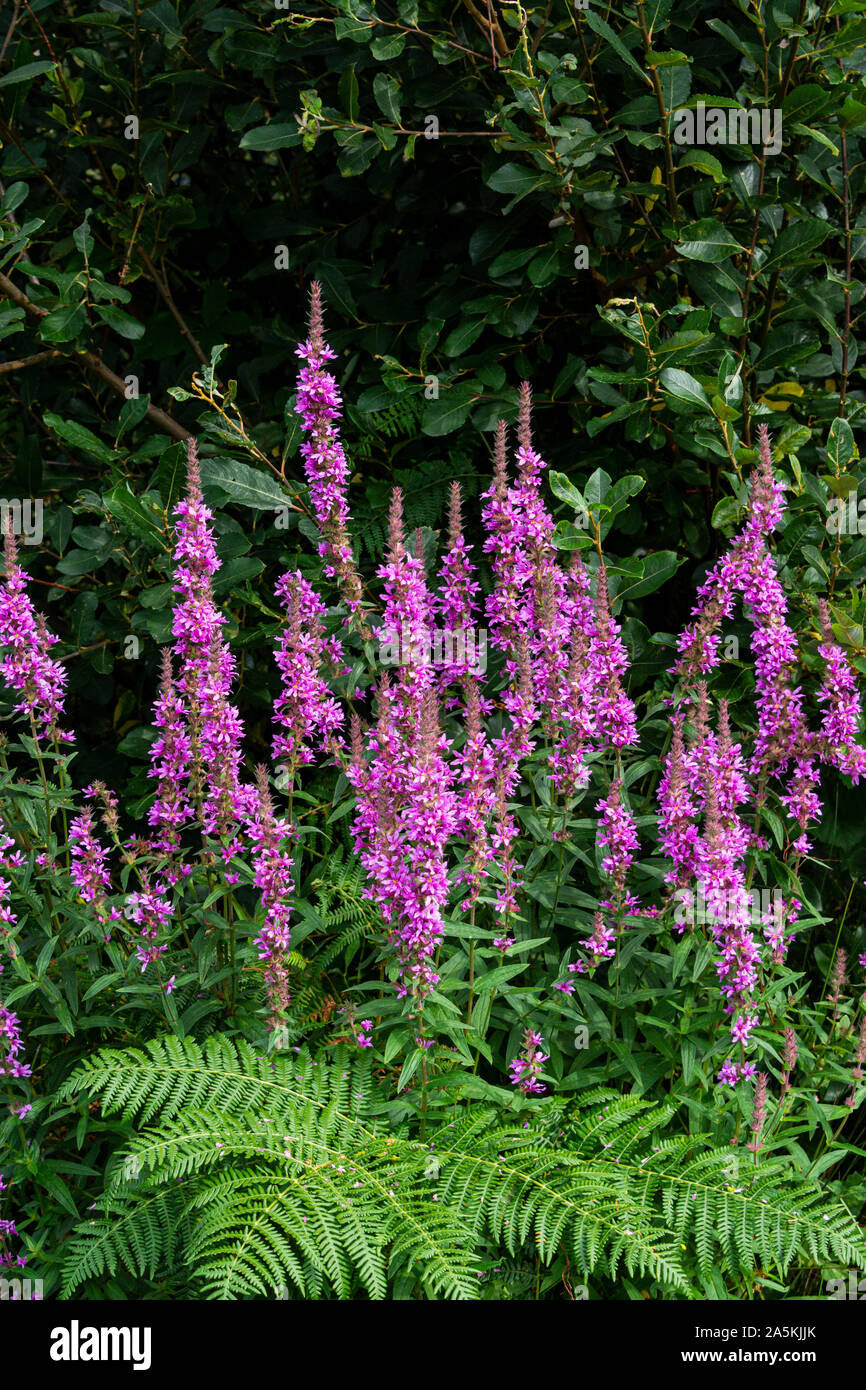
9	31
491	28
124	272
28	361
93	363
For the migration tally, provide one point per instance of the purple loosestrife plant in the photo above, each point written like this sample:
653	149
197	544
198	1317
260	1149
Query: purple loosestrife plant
206	668
272	875
407	609
548	600
170	757
476	797
11	1043
319	405
151	912
88	870
305	710
576	730
840	726
455	603
678	830
8	1229
25	642
526	1068
505	606
608	659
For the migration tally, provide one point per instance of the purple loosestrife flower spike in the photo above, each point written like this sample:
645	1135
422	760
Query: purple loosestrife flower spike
272	875
169	757
504	835
859	1059
319	404
456	604
427	822
11	1044
151	913
506	612
10	1026
615	712
736	571
206	665
477	797
406	616
600	946
575	728
617	835
406	812
756	1124
526	1069
789	1059
838	979
840	726
547	593
88	868
305	711
678	832
25	641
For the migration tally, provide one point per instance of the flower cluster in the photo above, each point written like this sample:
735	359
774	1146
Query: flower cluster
272	875
319	405
305	709
26	665
526	1068
151	912
7	1229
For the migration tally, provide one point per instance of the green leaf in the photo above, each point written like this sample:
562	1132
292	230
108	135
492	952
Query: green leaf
563	488
449	412
278	136
63	324
656	569
516	179
139	519
26	72
684	387
605	32
386	90
707	240
706	163
840	444
597	487
545	268
794	245
462	337
132	414
79	437
122	323
623	489
248	487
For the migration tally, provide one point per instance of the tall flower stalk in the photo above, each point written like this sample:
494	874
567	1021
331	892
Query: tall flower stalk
320	404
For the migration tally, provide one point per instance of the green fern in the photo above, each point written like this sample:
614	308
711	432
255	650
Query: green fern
287	1174
280	1171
